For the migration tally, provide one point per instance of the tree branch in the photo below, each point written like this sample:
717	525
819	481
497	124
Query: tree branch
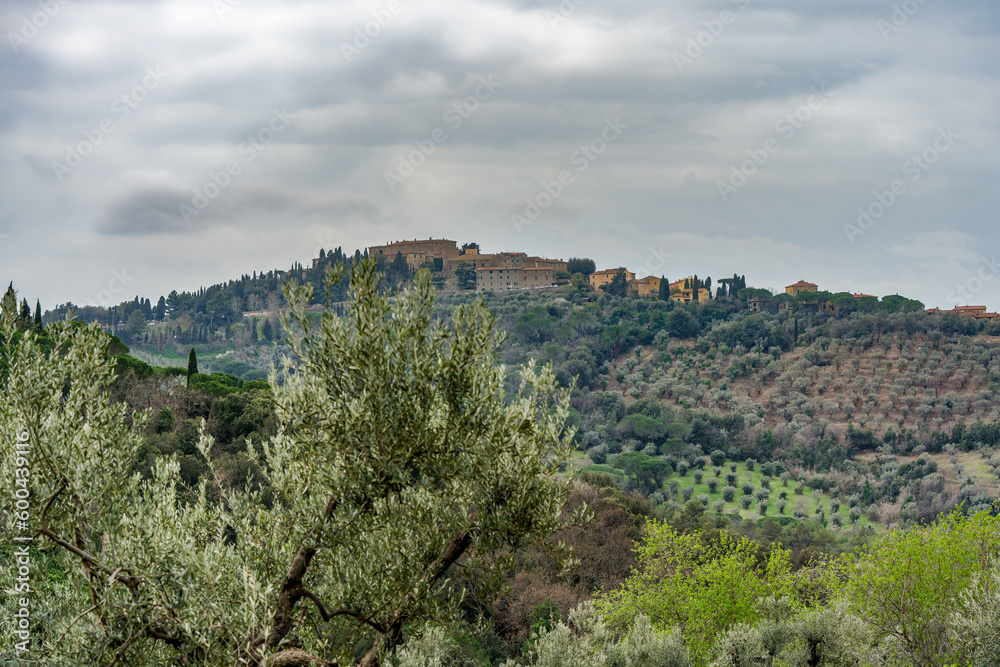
130	581
306	593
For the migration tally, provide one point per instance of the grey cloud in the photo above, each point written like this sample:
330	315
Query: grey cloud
157	210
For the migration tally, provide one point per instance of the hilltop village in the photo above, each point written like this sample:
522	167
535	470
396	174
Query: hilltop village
466	267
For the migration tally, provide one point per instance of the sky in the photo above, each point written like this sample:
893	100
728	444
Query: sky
151	145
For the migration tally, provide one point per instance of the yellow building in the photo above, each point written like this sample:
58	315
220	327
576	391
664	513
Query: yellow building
472	257
683	291
648	286
497	278
599	278
801	286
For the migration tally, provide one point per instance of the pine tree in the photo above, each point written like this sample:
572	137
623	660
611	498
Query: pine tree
192	366
8	305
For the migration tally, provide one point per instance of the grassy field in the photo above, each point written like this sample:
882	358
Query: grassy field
796	495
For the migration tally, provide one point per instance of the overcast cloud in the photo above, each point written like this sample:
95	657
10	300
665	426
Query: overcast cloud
190	142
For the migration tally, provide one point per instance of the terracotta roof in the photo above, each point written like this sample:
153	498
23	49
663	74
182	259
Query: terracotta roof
803	283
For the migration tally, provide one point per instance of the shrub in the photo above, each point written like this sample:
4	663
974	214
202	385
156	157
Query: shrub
745	501
698	475
704	585
729	493
910	581
782	504
713	485
687	492
683	467
819	483
751	463
731	478
718	457
747	488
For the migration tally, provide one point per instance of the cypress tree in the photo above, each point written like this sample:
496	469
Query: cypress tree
192	366
664	289
38	315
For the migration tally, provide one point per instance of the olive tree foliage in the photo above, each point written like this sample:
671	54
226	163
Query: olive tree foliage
396	456
585	641
827	637
977	622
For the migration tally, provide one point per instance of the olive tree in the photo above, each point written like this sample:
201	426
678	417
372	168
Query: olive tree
396	457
